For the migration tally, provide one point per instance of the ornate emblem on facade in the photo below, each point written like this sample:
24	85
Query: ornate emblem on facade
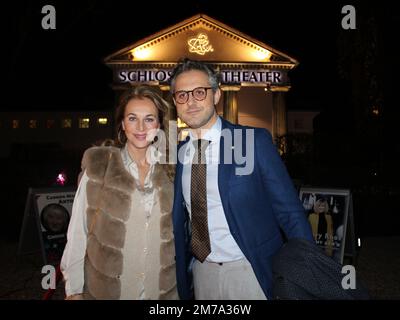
200	45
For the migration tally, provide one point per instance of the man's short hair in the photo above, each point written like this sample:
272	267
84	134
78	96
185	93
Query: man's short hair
188	65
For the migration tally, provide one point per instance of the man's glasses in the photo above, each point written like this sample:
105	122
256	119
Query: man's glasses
198	94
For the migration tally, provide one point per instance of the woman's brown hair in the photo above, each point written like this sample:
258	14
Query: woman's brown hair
140	92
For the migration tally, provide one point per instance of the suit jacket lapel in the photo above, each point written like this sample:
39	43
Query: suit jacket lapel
179	213
178	185
224	170
179	165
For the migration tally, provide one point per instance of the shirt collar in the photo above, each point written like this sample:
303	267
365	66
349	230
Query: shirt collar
132	167
152	156
213	134
126	158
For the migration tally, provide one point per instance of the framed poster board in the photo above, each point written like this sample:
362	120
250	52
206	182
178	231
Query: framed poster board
45	224
329	212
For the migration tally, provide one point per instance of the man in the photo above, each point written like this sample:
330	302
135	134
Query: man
226	220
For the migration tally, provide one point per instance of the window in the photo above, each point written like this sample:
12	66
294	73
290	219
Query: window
50	123
33	124
66	123
84	123
102	121
15	124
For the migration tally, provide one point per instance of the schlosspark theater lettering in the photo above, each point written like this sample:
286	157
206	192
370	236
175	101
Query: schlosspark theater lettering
227	76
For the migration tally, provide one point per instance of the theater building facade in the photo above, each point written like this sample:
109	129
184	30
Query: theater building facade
254	76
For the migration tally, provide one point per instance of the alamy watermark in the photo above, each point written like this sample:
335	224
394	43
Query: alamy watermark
49	20
349	20
238	148
349	280
49	280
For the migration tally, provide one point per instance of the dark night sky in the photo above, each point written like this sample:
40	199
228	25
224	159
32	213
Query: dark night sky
63	68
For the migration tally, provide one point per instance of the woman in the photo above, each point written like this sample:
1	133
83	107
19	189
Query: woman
120	239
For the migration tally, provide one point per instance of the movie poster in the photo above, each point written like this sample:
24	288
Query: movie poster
327	212
54	210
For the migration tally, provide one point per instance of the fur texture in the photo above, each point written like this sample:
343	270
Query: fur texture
109	193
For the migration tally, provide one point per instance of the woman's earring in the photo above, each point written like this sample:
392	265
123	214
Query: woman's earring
156	138
119	137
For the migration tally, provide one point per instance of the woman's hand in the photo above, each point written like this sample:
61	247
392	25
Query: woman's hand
76	296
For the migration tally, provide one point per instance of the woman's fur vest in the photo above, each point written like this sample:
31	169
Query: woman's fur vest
109	192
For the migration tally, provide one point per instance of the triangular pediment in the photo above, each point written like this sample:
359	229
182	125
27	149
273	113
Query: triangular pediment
201	38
